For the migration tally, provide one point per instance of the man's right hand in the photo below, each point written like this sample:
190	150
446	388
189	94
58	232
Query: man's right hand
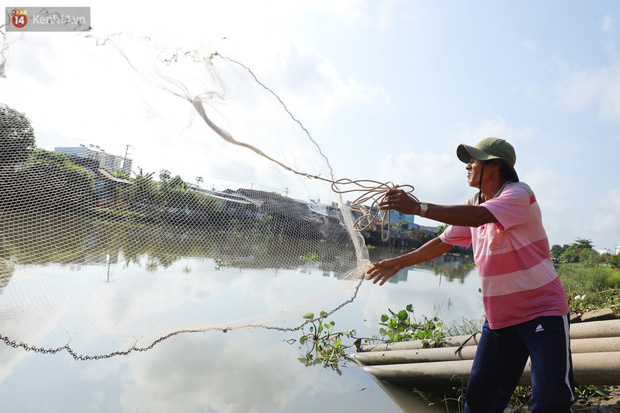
382	271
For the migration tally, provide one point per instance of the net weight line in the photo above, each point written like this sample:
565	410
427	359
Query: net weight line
82	357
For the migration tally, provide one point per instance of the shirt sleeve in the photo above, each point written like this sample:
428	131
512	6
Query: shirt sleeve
511	207
454	235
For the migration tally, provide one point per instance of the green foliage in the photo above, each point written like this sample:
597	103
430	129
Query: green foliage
589	257
585	392
570	255
402	326
556	250
219	264
144	189
589	288
465	327
36	175
310	258
323	345
17	140
583	279
584	243
165	175
612	261
579	251
65	185
120	174
170	194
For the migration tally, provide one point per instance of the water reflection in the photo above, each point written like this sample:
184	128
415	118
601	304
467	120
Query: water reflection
93	275
114	286
238	372
451	267
42	238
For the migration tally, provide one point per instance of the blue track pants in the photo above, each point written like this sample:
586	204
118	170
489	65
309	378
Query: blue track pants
500	360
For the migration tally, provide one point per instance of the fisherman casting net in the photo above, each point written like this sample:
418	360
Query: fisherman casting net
171	187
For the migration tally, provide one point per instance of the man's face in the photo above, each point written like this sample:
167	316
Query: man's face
474	168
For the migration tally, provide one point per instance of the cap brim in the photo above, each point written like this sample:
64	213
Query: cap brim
466	152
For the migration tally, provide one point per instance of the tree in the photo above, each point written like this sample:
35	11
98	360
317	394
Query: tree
177	182
164	175
17	140
579	251
614	261
199	180
589	257
556	250
143	189
49	180
584	243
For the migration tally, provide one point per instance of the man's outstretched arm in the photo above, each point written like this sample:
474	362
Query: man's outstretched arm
382	271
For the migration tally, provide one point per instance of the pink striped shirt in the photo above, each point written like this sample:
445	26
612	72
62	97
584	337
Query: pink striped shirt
519	282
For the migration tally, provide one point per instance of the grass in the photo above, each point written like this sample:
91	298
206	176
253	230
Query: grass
591	287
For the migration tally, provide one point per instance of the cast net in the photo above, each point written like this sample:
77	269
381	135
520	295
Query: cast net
147	191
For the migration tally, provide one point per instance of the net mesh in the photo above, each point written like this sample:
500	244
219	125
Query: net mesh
210	213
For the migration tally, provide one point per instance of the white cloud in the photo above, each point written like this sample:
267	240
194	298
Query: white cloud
599	87
387	12
223	374
608	24
529	44
605	220
312	87
497	128
437	178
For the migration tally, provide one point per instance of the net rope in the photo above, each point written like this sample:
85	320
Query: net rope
98	258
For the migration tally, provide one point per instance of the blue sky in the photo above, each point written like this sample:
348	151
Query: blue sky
389	89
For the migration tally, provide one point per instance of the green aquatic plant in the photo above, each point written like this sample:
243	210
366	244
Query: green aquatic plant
402	326
323	345
219	264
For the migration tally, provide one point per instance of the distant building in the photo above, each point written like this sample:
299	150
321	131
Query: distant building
99	164
106	160
330	210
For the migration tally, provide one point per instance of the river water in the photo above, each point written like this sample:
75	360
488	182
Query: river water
246	370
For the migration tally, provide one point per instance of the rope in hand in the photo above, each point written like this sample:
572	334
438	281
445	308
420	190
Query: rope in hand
374	191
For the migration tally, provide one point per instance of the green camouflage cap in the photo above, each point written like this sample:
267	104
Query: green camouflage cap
487	149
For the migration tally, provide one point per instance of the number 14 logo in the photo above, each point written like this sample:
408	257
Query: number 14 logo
19	18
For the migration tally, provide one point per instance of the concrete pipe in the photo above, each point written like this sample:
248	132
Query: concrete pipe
589	368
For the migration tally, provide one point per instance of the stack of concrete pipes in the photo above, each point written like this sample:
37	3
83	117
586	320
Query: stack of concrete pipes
595	346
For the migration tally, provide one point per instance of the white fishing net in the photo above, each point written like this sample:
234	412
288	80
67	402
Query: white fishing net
175	193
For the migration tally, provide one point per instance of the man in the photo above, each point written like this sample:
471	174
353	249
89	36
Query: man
525	304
